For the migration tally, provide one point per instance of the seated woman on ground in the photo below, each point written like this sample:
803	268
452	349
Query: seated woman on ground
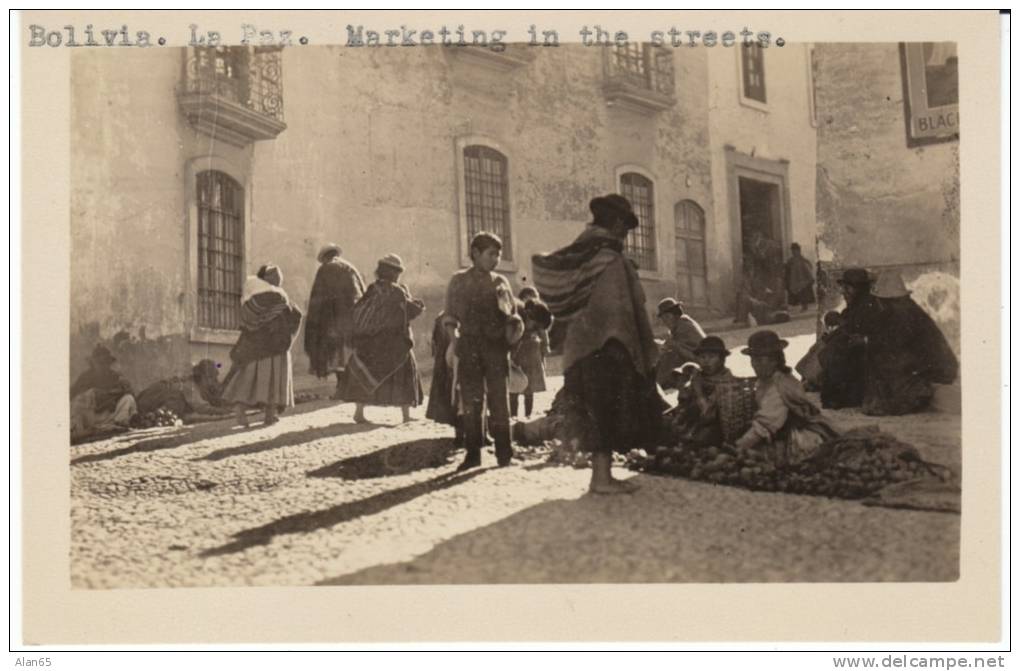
695	419
786	421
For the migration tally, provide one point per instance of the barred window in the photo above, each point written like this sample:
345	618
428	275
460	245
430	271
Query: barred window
487	194
752	61
640	242
220	250
691	268
645	65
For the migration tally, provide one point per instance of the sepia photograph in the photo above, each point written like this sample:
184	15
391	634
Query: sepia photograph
509	308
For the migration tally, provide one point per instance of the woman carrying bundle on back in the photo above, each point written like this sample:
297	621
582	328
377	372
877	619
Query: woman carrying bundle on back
383	370
262	374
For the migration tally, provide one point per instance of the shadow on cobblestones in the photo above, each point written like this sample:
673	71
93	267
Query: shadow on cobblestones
345	512
150	445
400	459
288	439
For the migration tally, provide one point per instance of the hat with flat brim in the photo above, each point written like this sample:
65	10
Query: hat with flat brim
712	345
102	355
669	306
855	277
890	285
392	261
326	249
614	204
764	342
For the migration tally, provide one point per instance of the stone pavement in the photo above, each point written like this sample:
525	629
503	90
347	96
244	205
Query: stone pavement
317	499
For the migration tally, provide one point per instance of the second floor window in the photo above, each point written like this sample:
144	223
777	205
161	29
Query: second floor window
640	243
752	65
220	250
645	66
487	194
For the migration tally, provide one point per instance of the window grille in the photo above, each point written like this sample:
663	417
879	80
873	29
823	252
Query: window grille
487	194
752	59
640	242
220	250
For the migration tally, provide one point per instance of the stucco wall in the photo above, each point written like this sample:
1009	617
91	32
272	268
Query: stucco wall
781	132
881	204
368	160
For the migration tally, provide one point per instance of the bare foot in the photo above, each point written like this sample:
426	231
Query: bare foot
360	419
614	486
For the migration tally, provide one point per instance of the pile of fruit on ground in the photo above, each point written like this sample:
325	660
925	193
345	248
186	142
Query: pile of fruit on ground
160	417
854	466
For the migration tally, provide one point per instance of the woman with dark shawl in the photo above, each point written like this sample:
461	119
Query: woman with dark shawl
382	370
907	354
799	278
336	289
262	374
609	352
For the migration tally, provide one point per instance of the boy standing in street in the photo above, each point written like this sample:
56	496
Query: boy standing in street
482	304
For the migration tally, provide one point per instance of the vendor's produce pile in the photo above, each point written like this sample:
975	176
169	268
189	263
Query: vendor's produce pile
853	466
160	417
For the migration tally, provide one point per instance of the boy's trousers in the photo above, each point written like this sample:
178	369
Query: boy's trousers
483	370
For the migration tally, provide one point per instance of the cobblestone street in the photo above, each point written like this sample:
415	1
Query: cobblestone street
317	499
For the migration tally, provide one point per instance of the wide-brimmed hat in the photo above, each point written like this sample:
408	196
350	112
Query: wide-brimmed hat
326	249
101	355
764	342
392	261
669	305
855	277
613	204
689	366
712	345
890	285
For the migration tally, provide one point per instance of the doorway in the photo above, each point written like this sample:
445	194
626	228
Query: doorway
761	239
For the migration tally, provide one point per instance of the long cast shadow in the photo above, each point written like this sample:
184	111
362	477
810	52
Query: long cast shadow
344	512
287	440
192	433
399	459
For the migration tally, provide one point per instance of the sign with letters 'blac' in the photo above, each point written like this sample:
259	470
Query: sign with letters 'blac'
930	92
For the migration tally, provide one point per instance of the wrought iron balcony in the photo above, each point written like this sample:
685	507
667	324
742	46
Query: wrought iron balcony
640	77
234	94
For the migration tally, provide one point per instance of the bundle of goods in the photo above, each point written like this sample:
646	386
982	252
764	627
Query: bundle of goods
160	417
857	465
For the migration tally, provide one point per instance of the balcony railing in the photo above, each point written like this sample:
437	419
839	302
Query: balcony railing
233	93
640	76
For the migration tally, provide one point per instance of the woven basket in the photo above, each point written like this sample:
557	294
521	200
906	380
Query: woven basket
736	407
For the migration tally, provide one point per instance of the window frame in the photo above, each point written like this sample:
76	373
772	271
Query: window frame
463	244
198	332
704	248
753	103
627	168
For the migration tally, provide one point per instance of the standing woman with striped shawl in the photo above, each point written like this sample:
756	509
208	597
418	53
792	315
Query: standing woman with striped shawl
262	373
609	353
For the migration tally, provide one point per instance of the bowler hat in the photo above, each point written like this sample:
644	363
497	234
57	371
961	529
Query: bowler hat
712	345
102	355
855	277
393	261
764	342
326	249
669	305
890	285
614	204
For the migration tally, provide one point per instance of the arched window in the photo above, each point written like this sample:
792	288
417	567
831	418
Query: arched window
640	243
487	194
220	249
691	269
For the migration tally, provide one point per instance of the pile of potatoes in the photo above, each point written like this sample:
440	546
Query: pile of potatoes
858	471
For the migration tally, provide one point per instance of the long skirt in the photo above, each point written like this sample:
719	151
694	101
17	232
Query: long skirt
401	388
621	408
263	382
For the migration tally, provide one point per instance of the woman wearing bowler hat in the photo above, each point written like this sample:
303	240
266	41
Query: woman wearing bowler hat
695	419
383	370
609	351
786	421
844	360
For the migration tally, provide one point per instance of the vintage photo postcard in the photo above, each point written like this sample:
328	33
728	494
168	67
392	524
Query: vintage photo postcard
404	326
